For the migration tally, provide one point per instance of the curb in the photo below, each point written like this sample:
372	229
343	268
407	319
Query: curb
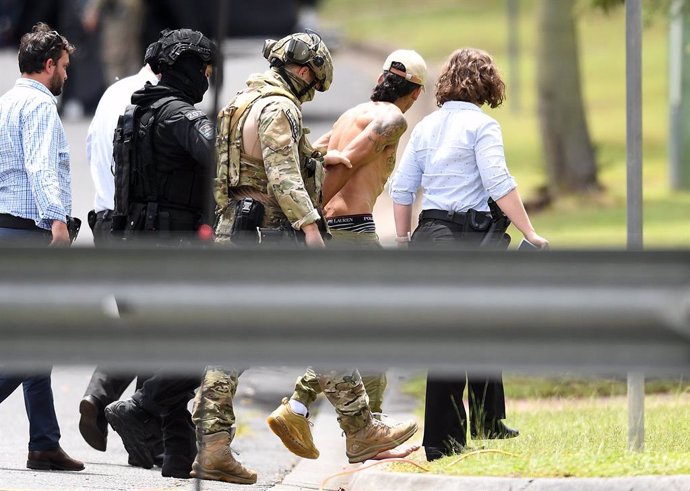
399	481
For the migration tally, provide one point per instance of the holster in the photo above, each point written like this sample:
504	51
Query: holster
496	236
248	216
73	227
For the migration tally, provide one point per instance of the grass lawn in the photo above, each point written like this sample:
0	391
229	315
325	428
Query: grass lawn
437	27
567	429
580	438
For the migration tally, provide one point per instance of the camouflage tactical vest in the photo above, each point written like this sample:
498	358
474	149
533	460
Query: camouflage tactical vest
239	171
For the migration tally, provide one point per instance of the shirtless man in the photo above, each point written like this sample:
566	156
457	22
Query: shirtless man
367	135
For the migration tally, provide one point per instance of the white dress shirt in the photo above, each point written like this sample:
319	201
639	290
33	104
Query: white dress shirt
456	154
99	139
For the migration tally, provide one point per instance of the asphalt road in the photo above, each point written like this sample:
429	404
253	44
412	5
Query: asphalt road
260	389
259	393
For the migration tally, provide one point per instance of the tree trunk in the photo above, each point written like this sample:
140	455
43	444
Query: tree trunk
568	150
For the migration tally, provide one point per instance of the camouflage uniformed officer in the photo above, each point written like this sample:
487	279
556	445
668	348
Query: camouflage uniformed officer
263	151
270	177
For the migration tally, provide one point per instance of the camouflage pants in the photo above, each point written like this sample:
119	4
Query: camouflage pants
213	410
345	391
307	388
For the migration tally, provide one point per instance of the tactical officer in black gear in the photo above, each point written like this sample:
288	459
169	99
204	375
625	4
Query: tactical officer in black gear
163	192
163	182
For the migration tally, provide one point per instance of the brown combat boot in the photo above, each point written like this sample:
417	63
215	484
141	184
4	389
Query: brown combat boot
293	430
378	436
216	463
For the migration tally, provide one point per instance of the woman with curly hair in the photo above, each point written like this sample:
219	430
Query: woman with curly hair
456	155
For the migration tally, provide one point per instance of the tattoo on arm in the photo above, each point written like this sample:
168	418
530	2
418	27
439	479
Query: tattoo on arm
387	132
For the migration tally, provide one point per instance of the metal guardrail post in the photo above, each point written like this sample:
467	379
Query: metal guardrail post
633	9
679	95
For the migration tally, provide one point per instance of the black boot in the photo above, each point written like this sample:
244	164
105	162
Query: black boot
130	422
179	441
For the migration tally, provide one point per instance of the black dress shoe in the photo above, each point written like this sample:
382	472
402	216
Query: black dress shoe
130	421
92	424
494	430
52	460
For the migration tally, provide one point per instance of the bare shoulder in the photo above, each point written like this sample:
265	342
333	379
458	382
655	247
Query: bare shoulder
393	115
388	120
360	113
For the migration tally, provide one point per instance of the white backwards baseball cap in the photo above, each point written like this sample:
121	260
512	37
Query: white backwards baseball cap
415	66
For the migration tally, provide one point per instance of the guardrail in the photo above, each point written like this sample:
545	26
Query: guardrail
586	311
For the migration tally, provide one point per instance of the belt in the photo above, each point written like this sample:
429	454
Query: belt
456	217
11	221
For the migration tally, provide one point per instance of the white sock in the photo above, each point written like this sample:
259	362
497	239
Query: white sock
299	408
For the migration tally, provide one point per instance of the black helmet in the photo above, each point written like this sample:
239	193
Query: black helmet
172	44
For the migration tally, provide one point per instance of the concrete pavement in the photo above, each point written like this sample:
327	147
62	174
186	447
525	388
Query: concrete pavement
259	392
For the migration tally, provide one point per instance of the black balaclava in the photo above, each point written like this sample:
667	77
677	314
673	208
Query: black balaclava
187	75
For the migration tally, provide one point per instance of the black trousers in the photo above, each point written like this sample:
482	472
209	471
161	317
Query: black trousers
107	385
166	396
445	418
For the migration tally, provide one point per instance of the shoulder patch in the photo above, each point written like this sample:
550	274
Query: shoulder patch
207	130
195	114
294	125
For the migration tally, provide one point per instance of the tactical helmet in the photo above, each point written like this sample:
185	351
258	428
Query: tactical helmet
172	44
305	49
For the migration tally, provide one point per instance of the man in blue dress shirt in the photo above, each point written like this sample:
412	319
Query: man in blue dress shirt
35	199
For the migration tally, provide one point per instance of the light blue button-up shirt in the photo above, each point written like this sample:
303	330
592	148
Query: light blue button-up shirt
456	155
35	181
